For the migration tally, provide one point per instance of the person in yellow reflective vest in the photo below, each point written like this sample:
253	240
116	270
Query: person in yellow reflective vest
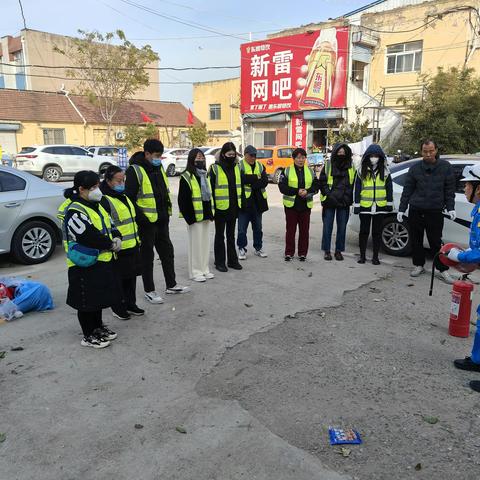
196	207
373	198
226	185
128	263
254	203
88	228
336	186
298	185
147	187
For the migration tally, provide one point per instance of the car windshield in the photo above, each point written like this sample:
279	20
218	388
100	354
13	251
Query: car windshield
27	149
397	167
264	153
204	149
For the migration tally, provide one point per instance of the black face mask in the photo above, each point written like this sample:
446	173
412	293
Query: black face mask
201	165
341	158
229	159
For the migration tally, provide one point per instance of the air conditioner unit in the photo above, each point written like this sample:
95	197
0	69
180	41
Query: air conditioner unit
119	135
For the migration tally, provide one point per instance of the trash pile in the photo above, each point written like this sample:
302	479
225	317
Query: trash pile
19	296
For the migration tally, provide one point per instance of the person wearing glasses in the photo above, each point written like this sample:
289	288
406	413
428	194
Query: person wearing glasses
226	187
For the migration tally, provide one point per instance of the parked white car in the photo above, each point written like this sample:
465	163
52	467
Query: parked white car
396	236
106	153
29	229
52	162
174	160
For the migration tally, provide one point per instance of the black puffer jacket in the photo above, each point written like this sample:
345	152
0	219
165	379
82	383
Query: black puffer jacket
340	194
429	187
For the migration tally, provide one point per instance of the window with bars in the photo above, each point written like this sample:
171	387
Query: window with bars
404	57
52	136
215	111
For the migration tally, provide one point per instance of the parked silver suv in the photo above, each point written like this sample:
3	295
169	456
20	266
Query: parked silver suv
52	162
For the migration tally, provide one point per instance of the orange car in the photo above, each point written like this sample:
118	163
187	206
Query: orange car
275	160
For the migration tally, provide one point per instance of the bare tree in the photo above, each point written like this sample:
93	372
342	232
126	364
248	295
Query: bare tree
108	73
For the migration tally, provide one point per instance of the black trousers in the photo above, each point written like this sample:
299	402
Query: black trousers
156	235
225	225
89	321
129	299
431	223
375	221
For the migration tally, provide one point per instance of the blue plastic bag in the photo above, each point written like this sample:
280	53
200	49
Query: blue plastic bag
33	296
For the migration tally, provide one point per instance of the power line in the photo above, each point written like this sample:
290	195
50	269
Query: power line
176	69
173	18
23	15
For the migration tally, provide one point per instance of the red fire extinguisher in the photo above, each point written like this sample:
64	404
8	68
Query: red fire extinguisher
460	309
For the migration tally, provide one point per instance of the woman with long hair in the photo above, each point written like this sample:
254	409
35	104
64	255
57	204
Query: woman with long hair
226	185
373	199
196	207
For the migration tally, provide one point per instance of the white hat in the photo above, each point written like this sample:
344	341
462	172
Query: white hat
471	173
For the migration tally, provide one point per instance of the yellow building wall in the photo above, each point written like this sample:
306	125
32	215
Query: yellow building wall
223	92
445	41
31	133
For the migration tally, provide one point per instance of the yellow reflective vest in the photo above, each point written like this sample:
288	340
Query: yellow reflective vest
96	219
123	216
192	182
328	173
291	175
257	171
145	197
220	190
373	189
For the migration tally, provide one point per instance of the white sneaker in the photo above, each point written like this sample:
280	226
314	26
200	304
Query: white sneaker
199	278
261	253
177	289
153	297
242	254
417	271
445	276
209	276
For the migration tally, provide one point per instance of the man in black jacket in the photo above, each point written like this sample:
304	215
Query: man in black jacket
429	189
146	174
254	203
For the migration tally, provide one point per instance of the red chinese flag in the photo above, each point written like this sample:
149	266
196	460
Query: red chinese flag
146	118
190	118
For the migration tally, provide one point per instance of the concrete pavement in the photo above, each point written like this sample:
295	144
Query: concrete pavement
70	412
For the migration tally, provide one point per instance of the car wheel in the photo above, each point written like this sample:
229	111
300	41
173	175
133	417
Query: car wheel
396	237
33	242
171	170
52	173
276	175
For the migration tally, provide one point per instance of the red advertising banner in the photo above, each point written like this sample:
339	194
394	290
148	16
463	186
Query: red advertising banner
299	130
307	71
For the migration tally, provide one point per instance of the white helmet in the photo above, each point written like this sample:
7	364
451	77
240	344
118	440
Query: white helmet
471	173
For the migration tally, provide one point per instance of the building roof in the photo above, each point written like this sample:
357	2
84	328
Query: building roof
24	105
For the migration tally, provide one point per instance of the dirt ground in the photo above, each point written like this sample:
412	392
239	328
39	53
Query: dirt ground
380	363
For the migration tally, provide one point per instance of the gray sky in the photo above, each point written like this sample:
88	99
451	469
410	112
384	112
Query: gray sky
172	40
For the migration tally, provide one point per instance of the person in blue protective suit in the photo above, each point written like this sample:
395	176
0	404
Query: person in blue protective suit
471	177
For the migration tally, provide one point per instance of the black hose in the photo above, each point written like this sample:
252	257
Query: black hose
433	274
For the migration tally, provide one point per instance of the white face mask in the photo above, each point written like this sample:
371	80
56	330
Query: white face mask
95	195
374	161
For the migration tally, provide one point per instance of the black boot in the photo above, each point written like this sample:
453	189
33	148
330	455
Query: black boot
362	241
376	248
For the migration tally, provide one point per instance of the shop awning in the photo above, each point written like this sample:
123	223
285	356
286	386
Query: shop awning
273	117
329	114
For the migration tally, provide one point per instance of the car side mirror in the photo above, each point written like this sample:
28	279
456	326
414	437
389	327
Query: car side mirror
90	154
